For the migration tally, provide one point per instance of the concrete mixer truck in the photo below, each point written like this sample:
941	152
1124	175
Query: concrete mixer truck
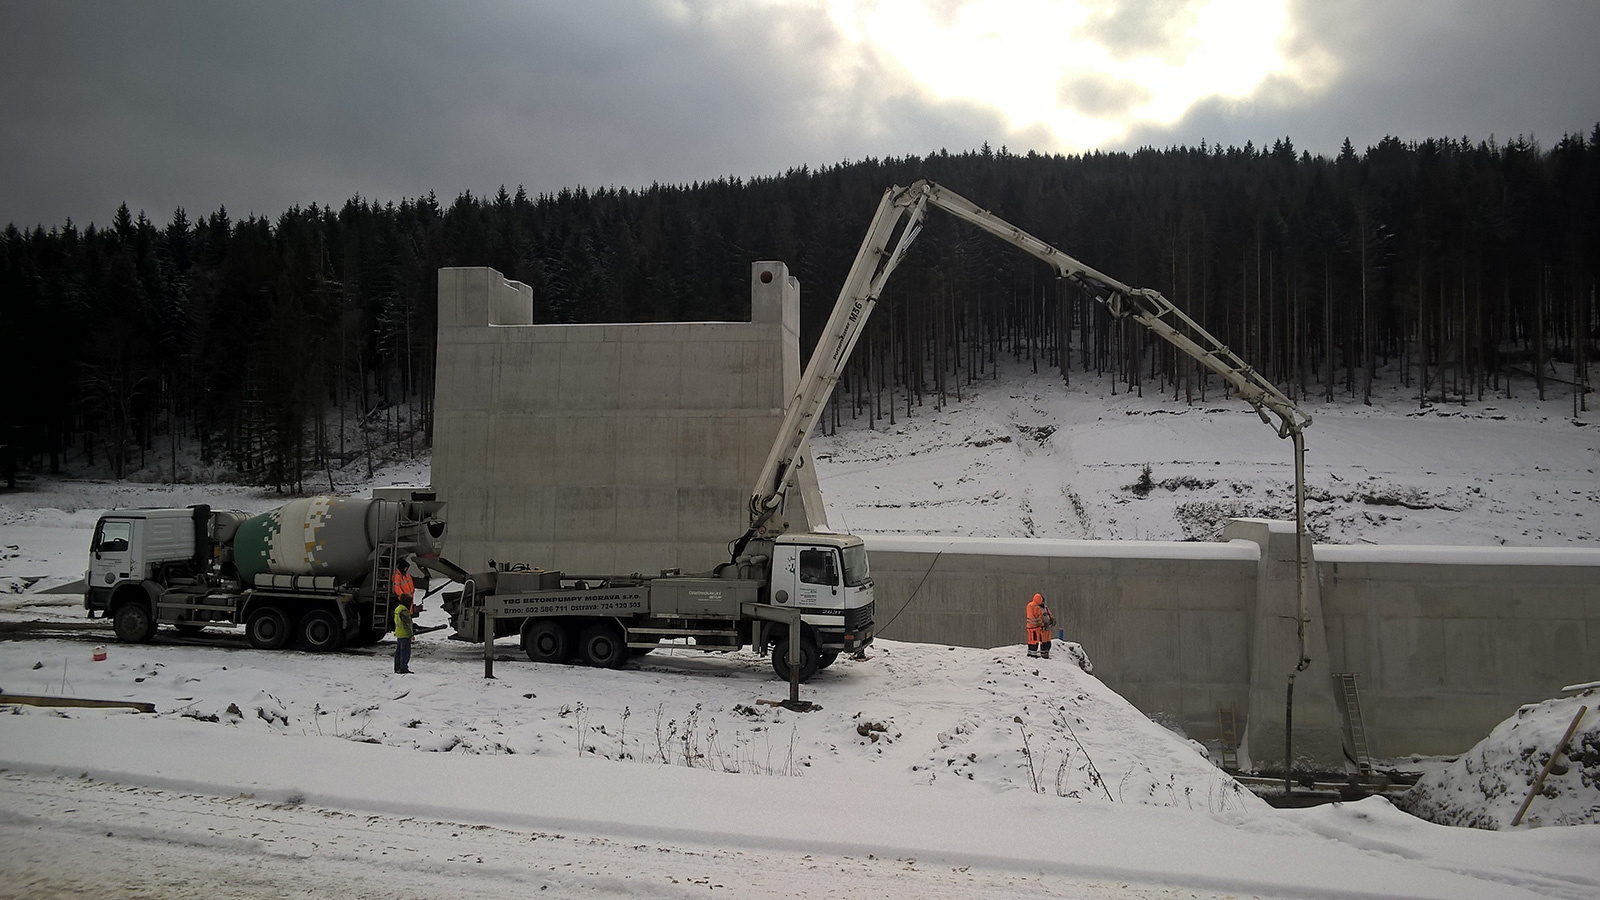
314	572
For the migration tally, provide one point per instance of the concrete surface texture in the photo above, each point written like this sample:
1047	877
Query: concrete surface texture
606	449
1288	643
1447	642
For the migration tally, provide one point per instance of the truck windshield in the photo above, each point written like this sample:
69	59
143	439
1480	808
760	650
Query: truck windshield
114	537
855	566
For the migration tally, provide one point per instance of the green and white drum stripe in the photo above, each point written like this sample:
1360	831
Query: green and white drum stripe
320	536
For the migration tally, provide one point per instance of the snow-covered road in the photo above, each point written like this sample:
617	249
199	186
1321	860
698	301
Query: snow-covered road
130	804
82	837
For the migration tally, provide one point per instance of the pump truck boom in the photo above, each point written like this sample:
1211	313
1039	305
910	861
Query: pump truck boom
778	581
899	219
900	212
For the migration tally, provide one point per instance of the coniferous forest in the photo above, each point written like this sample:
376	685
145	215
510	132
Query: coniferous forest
274	350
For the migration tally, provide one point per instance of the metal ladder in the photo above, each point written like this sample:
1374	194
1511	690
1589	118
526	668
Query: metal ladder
1228	725
1355	729
384	559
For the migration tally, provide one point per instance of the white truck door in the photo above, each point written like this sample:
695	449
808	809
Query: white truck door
785	577
819	578
112	554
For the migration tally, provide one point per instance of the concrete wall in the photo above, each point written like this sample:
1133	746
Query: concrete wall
1166	624
1446	643
605	448
1450	641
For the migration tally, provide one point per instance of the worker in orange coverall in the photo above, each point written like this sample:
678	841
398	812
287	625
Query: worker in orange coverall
1040	620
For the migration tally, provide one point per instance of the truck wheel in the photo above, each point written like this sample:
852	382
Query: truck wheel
808	659
547	641
133	624
321	632
826	659
267	629
601	645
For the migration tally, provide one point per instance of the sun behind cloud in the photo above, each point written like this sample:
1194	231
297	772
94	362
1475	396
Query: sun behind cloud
1085	72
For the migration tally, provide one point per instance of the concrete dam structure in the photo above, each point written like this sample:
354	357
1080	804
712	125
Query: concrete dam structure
608	448
1444	642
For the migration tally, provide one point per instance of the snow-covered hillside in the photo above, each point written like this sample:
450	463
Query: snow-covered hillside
1023	455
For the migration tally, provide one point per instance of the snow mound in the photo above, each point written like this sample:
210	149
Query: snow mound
996	720
957	720
1487	784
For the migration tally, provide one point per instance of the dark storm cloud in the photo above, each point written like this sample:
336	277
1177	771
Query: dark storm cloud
164	105
1133	28
1101	96
1429	68
264	106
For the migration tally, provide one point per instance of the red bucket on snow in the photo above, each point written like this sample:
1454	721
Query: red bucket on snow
99	654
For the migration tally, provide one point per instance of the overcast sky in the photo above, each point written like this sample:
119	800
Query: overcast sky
266	105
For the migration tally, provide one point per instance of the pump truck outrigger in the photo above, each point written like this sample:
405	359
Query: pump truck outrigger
777	583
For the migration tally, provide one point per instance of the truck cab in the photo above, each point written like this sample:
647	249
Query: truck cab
827	578
133	546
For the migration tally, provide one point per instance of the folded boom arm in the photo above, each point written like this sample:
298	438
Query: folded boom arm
880	253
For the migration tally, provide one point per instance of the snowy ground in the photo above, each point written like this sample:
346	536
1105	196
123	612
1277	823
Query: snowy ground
667	778
277	774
